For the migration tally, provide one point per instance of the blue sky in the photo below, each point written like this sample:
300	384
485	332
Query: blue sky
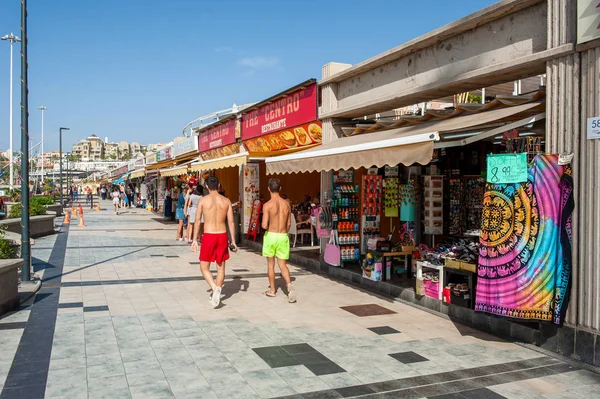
140	70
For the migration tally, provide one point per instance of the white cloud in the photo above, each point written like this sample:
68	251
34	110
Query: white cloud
256	63
224	49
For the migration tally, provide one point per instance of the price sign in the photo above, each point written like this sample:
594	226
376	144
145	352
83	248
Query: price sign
506	168
593	128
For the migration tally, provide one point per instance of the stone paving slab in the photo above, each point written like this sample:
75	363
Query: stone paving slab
124	313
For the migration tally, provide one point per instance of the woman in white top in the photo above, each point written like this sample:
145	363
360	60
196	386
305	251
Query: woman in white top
192	208
186	211
116	200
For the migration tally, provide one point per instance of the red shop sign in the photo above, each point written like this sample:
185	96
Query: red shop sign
295	109
217	136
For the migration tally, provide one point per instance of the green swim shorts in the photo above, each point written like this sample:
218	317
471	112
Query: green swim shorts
276	244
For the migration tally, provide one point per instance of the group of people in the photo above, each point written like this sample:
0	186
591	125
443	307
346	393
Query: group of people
76	191
122	197
187	204
210	212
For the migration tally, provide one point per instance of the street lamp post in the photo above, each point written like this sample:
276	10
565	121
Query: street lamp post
67	186
42	108
12	39
60	163
25	233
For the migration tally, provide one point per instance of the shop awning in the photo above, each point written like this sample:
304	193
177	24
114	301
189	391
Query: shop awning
137	173
176	171
224	162
405	145
125	176
377	149
150	179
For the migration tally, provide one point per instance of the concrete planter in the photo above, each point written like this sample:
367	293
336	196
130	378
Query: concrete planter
8	205
42	225
9	284
57	209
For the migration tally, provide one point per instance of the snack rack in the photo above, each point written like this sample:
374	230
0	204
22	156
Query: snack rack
345	205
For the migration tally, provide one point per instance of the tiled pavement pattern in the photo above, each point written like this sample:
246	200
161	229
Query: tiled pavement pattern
114	320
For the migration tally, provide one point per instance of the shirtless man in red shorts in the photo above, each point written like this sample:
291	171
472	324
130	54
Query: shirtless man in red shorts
215	243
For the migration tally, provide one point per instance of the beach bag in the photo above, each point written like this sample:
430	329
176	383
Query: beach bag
332	251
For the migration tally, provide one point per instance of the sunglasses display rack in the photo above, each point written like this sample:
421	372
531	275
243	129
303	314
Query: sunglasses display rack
456	213
474	189
433	197
345	205
391	196
371	208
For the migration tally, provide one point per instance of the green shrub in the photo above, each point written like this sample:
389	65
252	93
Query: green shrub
43	200
15	195
34	210
7	249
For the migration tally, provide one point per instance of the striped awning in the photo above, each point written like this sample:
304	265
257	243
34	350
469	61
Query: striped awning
178	170
137	173
220	163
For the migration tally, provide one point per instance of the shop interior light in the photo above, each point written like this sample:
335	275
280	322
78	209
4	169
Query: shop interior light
460	135
524	134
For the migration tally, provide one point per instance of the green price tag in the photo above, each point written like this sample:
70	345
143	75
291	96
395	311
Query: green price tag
507	168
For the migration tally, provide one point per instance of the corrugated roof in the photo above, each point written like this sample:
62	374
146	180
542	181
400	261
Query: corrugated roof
499	102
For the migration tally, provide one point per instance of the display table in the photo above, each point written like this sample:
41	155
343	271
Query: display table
471	281
439	268
385	255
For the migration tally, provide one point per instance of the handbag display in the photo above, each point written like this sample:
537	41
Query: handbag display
332	251
322	228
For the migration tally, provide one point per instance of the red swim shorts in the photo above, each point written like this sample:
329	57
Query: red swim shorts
214	248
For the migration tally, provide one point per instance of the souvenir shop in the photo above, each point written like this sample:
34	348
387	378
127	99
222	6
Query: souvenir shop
282	124
439	212
221	155
182	154
150	185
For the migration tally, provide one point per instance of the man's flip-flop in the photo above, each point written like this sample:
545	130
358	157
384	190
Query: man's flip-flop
269	294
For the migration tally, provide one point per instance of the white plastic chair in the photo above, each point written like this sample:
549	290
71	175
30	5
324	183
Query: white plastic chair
299	229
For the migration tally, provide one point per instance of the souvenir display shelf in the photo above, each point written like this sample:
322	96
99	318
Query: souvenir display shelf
372	186
420	279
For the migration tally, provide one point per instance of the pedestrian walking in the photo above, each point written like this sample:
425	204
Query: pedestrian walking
129	193
277	219
192	208
116	199
179	213
103	192
122	197
218	213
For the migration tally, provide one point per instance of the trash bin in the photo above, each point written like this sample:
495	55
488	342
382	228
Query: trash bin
238	227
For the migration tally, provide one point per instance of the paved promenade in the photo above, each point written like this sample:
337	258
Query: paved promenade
124	313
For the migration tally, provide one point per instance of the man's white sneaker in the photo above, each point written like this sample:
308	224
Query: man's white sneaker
291	294
216	297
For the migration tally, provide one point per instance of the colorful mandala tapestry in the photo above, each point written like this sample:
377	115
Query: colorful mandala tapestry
525	257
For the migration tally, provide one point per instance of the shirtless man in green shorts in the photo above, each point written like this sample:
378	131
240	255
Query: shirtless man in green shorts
276	221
